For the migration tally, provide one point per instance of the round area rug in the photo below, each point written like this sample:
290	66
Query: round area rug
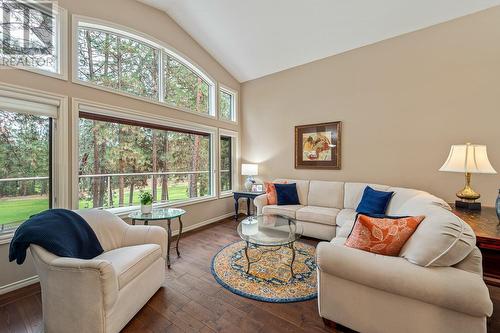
269	279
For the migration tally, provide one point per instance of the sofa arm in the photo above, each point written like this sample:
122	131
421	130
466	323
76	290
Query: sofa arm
142	234
260	202
446	287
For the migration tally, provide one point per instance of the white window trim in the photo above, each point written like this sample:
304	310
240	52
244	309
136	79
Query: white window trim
78	20
62	49
140	116
234	111
234	163
60	167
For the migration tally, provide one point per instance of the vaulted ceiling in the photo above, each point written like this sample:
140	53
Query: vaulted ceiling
254	38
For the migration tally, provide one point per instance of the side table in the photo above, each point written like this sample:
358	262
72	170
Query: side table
162	214
485	226
244	194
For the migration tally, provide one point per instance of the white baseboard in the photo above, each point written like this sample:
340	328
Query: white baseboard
202	223
34	279
18	284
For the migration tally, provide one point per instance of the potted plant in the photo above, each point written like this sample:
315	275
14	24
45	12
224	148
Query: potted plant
146	202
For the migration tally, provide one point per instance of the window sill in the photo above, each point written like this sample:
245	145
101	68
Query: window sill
6	237
227	194
227	121
125	211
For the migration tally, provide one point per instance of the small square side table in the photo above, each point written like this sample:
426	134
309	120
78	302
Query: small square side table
244	194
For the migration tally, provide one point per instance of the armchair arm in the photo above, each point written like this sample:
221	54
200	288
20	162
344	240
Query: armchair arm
260	202
142	234
446	287
76	279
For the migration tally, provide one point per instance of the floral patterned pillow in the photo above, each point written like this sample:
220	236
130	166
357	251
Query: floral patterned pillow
271	193
384	236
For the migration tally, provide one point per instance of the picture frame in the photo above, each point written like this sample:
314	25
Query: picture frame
257	188
318	146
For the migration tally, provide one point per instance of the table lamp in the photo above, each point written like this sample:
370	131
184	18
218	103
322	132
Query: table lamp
468	159
249	170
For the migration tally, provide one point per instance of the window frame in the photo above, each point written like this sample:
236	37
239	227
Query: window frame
62	51
234	109
24	97
234	162
97	24
144	117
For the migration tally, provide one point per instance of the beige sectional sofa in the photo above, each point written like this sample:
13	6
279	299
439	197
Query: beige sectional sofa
435	285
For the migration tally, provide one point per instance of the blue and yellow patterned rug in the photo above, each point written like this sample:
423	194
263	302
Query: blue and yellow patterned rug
269	279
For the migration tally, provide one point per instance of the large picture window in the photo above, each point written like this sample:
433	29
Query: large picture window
119	159
112	58
25	167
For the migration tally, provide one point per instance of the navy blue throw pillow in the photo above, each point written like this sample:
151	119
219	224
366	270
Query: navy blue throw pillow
287	194
374	202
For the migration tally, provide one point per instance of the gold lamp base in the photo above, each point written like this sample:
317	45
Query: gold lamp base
467	193
468	196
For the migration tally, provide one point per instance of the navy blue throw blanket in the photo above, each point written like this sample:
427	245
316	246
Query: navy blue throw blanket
59	231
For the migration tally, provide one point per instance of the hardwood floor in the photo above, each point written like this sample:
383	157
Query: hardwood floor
191	300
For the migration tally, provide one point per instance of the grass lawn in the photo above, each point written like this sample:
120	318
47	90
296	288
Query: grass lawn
16	210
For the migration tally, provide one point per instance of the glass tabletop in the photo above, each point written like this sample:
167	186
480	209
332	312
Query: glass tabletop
158	214
270	230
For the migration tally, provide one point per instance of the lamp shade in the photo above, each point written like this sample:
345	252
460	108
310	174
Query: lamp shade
249	169
468	158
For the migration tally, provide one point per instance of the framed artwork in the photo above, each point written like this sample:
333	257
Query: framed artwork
257	187
317	146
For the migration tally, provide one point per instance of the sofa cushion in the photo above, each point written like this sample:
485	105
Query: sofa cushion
345	222
281	210
400	197
302	188
339	240
326	194
323	215
128	262
354	191
442	239
346	216
404	195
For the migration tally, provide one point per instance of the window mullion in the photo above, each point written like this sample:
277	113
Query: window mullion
119	51
161	77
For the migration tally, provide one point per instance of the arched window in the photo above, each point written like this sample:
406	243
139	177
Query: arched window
115	58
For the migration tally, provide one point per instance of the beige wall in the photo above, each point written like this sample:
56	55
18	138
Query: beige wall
402	102
149	21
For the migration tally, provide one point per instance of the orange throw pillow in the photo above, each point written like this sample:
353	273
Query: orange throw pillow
382	235
271	193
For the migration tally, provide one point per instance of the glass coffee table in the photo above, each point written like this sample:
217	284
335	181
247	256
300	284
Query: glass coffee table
269	233
162	214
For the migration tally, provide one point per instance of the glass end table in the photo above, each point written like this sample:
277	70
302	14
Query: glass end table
272	231
167	214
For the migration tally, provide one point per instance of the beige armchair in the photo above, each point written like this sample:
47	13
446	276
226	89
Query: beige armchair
102	294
